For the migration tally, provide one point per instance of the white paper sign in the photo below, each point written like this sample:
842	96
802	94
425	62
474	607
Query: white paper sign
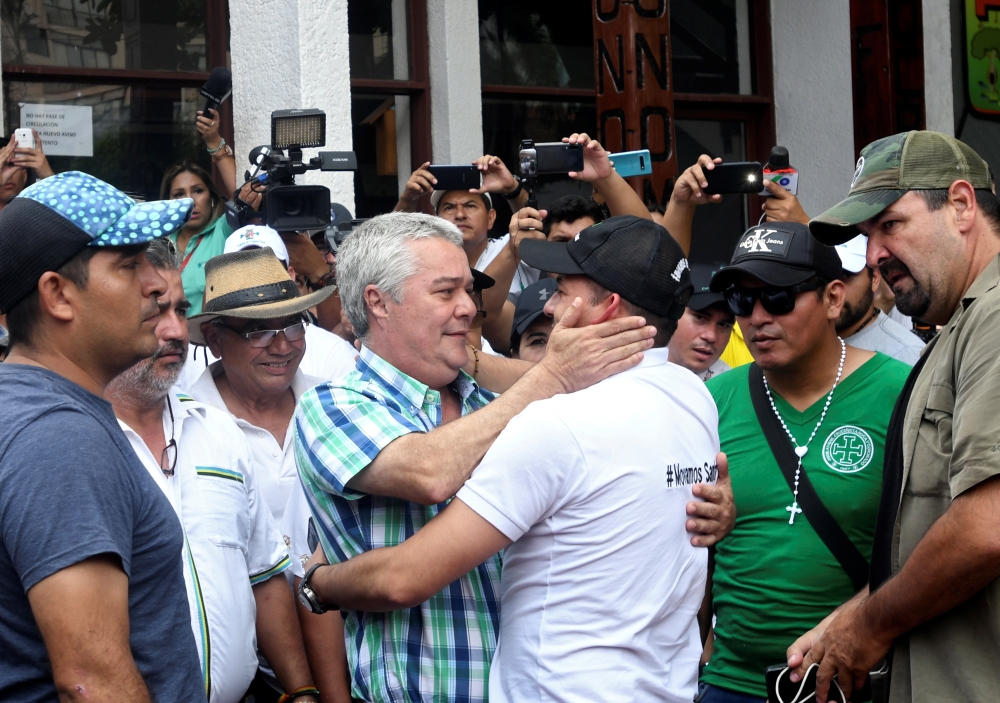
65	130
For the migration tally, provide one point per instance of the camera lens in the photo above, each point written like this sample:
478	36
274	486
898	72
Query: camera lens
294	206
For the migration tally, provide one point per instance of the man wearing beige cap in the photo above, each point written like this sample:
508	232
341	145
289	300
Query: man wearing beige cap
927	203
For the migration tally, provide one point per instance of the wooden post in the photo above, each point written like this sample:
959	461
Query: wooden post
635	92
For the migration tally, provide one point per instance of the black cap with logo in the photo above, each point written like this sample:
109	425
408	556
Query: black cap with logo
631	256
701	279
779	254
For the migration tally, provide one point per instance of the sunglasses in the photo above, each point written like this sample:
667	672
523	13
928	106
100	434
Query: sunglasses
776	301
264	338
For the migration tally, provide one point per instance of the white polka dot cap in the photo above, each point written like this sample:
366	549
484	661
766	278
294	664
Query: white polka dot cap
106	214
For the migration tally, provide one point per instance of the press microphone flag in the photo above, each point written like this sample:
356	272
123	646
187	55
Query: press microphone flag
217	89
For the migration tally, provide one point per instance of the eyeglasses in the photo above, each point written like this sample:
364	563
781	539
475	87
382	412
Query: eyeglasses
168	458
776	301
263	338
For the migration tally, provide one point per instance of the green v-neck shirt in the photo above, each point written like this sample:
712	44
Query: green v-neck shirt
773	580
205	245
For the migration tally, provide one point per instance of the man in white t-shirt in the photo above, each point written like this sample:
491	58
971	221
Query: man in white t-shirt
326	356
601	583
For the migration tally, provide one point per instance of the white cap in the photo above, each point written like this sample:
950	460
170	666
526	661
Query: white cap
853	254
438	194
256	237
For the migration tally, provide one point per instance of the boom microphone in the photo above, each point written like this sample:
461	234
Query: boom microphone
217	89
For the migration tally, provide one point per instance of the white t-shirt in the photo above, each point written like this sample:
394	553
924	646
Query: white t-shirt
524	275
719	366
601	587
326	357
229	534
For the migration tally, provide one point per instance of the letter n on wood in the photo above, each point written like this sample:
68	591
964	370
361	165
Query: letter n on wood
635	93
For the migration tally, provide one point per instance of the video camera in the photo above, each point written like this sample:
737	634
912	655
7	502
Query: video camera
287	207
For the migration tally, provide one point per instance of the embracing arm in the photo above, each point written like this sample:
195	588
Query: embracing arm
445	549
430	467
82	613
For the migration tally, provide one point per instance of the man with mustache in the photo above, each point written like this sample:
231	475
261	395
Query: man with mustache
199	458
927	203
827	406
92	598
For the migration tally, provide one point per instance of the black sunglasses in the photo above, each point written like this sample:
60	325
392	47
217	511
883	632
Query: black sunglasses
776	301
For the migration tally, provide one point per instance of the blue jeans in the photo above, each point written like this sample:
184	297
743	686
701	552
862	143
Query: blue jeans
714	694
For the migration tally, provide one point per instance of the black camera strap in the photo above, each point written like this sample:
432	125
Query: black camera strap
833	536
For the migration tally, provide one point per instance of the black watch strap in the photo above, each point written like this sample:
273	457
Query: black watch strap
517	191
308	596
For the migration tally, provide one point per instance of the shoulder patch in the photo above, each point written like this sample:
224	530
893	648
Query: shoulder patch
216	472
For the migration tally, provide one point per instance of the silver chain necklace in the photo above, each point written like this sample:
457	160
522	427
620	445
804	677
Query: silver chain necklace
801	451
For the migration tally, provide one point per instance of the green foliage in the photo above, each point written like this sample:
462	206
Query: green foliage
986	41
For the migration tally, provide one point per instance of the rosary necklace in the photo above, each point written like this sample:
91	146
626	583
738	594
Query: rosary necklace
801	451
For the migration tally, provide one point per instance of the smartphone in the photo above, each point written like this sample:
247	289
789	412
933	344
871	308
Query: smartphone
557	157
632	163
734	177
24	138
451	177
781	688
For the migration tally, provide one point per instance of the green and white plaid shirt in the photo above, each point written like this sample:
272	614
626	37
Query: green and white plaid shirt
441	650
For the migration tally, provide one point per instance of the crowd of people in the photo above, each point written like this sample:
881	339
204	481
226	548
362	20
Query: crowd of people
418	463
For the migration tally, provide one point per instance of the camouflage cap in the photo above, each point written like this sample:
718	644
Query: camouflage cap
888	168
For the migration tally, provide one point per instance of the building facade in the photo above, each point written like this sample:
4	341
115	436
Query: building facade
405	82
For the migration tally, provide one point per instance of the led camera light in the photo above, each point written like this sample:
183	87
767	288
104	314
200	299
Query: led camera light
298	128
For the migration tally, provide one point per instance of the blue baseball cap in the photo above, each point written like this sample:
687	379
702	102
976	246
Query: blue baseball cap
50	222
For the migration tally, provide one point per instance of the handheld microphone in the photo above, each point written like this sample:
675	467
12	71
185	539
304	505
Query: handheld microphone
218	87
779	171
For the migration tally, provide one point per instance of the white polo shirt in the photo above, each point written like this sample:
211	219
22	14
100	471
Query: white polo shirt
231	540
275	463
601	587
326	356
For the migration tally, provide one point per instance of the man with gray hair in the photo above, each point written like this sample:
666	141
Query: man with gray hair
232	547
381	451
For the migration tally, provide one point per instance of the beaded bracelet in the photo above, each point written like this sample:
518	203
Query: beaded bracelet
298	693
475	354
221	144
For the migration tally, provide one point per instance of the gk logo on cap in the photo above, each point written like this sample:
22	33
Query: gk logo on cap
765	241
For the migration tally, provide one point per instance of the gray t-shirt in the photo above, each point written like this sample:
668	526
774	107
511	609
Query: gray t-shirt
71	488
885	335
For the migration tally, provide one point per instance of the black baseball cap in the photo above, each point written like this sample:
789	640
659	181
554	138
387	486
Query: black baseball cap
701	279
631	256
530	304
779	254
480	281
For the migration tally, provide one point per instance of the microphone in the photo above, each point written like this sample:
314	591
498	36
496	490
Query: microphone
217	89
780	171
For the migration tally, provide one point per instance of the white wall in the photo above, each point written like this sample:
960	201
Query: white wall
292	54
456	96
938	92
813	101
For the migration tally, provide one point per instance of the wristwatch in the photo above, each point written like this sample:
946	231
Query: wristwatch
517	191
308	597
223	152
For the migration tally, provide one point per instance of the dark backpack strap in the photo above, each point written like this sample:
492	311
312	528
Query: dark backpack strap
835	539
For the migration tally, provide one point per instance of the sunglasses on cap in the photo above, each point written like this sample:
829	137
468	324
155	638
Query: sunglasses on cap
776	301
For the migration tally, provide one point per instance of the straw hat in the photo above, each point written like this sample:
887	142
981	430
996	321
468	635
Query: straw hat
250	284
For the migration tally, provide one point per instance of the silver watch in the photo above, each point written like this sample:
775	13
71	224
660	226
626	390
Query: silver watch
307	596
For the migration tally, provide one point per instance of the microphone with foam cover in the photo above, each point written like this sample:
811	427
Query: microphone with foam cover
217	89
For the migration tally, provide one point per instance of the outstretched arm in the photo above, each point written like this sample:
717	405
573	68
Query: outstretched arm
597	169
446	548
688	194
